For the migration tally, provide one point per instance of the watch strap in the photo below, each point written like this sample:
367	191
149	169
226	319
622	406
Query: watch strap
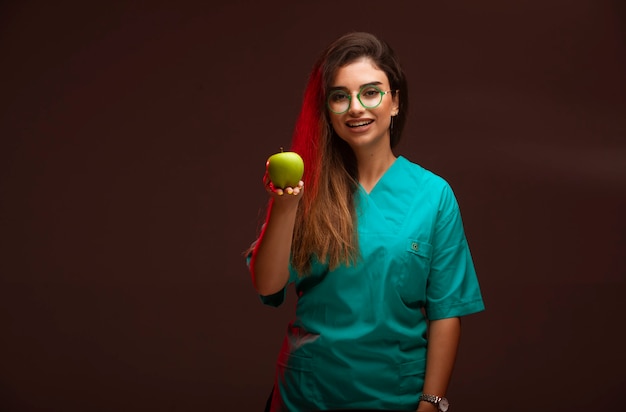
435	400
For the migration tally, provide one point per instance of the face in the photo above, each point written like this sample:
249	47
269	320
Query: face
361	127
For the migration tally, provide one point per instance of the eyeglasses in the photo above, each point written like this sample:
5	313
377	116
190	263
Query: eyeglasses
369	96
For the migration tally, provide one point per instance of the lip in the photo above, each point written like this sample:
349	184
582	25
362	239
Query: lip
364	124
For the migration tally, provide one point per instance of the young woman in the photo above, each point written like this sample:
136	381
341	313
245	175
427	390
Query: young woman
374	244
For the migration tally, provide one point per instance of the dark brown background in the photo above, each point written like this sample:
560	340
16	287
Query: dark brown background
133	141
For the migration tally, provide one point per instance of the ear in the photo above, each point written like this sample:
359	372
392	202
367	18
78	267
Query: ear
395	108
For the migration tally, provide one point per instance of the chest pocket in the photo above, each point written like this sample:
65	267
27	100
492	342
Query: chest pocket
413	272
418	248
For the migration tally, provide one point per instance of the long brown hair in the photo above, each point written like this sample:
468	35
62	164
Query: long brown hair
326	220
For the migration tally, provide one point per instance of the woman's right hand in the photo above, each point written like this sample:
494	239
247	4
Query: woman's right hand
277	191
270	258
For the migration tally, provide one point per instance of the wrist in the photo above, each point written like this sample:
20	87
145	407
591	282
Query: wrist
424	406
438	403
286	205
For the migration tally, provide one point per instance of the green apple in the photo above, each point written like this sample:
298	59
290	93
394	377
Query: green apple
285	169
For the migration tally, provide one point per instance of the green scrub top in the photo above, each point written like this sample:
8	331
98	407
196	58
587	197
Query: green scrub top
358	340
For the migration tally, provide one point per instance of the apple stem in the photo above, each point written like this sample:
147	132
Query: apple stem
281	149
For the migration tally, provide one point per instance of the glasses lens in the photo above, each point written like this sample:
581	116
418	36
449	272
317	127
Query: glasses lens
370	96
339	101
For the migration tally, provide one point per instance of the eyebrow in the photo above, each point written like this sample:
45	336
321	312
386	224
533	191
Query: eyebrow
375	83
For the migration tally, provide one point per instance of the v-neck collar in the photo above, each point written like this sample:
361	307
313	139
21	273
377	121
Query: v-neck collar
385	208
382	177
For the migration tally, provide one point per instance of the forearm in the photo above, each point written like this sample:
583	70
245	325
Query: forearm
443	341
269	264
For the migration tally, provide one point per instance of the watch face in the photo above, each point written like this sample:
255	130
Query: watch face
443	405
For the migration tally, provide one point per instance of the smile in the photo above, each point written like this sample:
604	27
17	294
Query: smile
361	123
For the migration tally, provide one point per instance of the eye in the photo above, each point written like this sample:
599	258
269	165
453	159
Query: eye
370	92
338	97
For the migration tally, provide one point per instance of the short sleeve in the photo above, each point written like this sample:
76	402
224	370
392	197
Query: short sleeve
452	289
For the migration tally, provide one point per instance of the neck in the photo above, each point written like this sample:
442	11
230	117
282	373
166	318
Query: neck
372	167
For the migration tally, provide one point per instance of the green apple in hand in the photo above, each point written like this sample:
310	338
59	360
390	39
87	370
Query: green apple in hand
285	169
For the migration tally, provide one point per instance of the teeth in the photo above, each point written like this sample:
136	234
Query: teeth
363	123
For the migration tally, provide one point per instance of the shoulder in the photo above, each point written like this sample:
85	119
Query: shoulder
438	190
423	177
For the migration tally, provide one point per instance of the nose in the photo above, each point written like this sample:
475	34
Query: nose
355	105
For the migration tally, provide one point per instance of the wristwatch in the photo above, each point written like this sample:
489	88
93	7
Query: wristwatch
441	403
